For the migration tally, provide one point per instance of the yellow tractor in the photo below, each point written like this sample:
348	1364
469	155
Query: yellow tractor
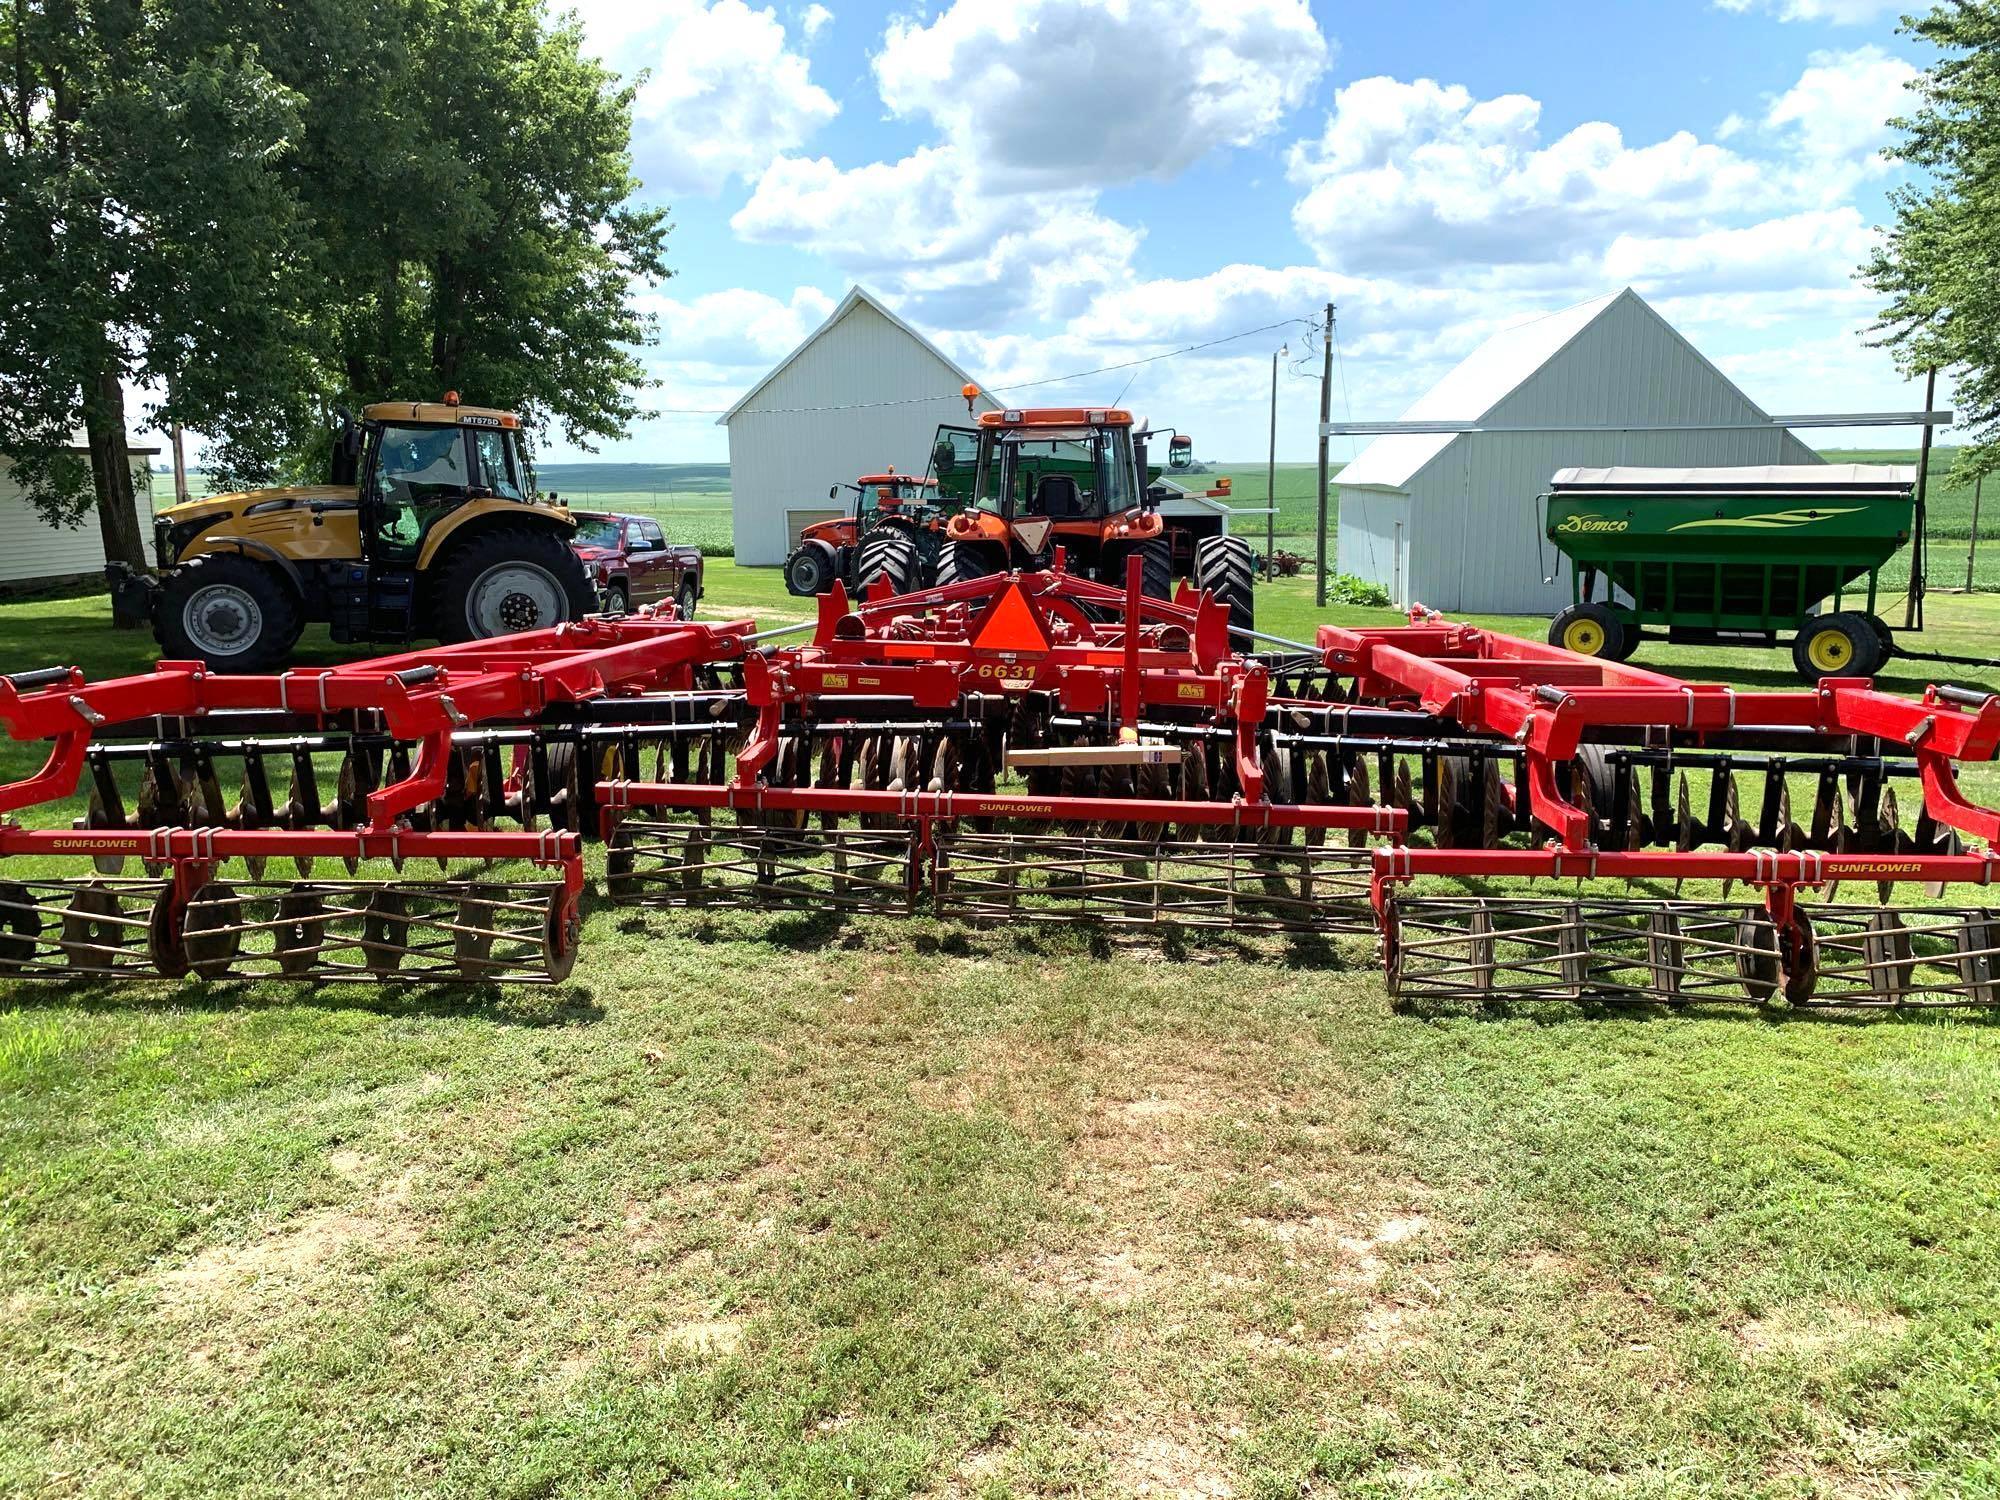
432	527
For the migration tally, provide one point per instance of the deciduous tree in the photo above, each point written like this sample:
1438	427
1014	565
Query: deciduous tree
1940	265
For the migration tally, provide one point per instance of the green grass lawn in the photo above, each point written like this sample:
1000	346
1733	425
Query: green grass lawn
792	1204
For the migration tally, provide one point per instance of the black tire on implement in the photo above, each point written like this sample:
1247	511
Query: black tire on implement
960	561
464	564
889	552
231	588
1222	567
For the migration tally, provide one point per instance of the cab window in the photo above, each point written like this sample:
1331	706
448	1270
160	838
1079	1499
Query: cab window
496	465
419	471
651	537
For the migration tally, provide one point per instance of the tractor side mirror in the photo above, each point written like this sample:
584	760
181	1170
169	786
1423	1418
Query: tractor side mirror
344	465
833	492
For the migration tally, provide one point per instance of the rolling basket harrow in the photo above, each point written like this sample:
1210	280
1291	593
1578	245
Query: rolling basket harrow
1015	748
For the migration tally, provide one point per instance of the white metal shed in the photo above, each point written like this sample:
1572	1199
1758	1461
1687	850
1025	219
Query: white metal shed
1451	520
864	392
34	552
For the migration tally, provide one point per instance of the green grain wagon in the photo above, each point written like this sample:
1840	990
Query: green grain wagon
1731	555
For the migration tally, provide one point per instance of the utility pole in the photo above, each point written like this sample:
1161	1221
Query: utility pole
180	469
1271	479
1972	547
1913	606
1325	416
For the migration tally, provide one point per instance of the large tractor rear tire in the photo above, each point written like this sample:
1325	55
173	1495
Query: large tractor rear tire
961	561
230	611
1222	567
508	579
1156	568
889	552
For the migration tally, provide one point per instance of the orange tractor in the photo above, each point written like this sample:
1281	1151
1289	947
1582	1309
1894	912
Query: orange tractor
1075	478
892	530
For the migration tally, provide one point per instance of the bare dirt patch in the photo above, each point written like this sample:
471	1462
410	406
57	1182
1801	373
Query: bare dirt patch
297	1251
1158	1456
715	1337
1809	1333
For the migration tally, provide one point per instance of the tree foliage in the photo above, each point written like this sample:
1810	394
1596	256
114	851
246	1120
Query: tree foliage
258	213
143	233
1940	264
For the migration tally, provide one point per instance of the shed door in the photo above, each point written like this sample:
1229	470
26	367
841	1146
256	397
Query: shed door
797	521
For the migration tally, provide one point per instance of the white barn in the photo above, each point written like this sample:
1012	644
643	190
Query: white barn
864	392
32	552
1451	520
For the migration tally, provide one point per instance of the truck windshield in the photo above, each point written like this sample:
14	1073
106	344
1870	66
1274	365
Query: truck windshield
597	531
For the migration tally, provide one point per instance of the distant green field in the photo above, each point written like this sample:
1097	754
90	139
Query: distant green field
692	502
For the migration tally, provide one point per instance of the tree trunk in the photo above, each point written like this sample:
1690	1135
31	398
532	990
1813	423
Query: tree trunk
111	468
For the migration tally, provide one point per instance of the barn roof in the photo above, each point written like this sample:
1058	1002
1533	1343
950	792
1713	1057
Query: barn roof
1481	381
855	296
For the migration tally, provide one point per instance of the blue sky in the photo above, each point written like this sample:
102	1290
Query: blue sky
1047	186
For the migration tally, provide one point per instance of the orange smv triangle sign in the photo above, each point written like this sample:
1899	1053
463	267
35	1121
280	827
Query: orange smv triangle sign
1010	625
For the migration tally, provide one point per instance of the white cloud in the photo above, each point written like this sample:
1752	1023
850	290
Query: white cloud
1814	248
1833	12
816	19
927	229
1053	92
726	94
734	329
1423	174
1836	115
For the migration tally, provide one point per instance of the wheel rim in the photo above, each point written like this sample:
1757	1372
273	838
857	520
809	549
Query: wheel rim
1584	637
805	574
513	596
1829	651
222	619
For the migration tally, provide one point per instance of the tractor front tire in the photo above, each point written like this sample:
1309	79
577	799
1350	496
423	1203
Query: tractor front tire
808	572
959	562
506	580
1224	570
889	552
230	611
1589	629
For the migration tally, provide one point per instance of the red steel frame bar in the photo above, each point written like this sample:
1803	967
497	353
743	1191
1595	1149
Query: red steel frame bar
1543	698
421	695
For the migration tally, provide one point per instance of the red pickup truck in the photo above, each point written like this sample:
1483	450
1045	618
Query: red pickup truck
631	562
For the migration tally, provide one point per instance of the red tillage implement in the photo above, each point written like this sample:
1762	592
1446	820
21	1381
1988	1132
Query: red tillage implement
1027	747
405	715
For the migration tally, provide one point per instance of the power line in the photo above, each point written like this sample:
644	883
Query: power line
1021	385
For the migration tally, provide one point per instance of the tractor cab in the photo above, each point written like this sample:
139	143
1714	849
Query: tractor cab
1030	483
415	463
892	496
1066	464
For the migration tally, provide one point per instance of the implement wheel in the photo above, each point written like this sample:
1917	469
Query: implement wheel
1846	644
1590	629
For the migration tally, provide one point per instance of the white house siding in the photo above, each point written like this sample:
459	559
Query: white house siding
782	458
33	551
1373	540
1475	522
